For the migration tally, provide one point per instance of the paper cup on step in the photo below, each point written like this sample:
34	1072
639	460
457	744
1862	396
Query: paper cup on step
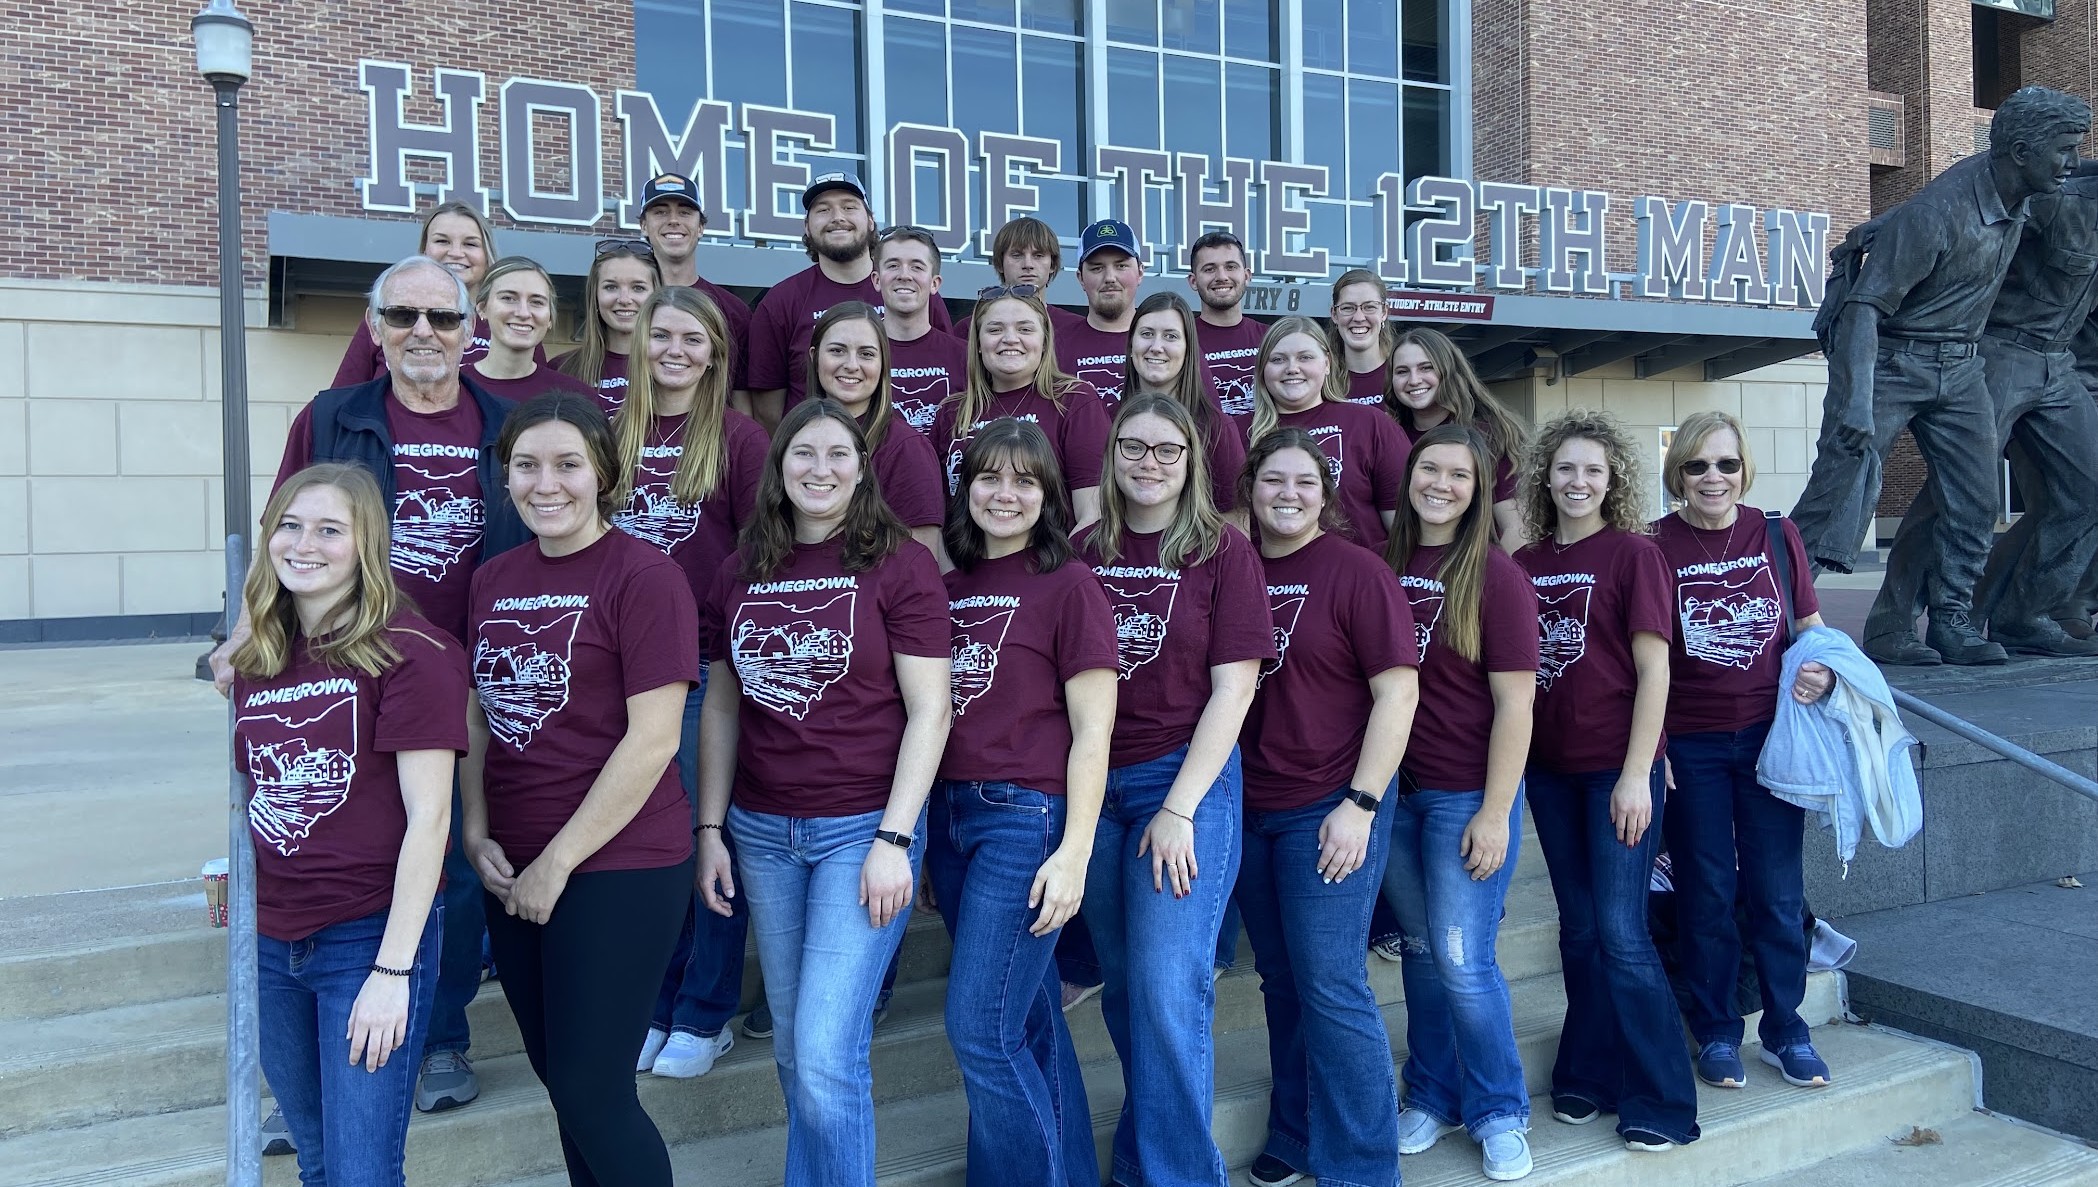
215	872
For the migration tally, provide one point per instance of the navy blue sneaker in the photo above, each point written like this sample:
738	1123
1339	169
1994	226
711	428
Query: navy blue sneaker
1719	1064
1798	1063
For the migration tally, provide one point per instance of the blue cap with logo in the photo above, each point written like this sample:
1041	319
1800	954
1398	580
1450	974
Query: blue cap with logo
826	182
665	186
1108	232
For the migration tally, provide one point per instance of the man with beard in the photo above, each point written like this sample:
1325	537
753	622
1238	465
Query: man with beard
1228	339
673	222
925	366
839	235
1096	349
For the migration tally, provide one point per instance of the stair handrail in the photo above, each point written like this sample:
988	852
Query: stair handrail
1909	703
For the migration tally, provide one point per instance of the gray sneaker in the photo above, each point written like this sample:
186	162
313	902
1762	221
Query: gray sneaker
447	1081
276	1135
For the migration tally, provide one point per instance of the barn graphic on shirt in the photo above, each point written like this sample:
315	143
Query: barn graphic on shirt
788	651
918	400
300	777
1285	606
434	524
1334	444
1234	391
979	633
1143	610
1562	631
1731	618
521	671
653	514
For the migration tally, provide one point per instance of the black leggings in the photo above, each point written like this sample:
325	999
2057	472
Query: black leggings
582	986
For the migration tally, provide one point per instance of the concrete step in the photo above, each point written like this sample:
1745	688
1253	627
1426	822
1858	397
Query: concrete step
1975	1150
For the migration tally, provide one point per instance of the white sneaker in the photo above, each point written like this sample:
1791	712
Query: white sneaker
1418	1131
686	1056
651	1047
1506	1156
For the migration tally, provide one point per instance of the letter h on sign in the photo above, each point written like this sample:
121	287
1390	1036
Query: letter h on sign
455	143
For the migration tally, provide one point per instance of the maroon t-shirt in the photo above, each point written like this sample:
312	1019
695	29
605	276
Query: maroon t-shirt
544	379
1367	454
611	383
1171	627
560	643
909	474
365	360
1339	618
1018	636
785	322
1366	387
1730	651
1227	456
822	715
319	743
737	315
1076	427
1100	357
698	536
1592	597
1504	477
924	372
1231	358
1450	732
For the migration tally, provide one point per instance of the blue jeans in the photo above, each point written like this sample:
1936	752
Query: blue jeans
350	1125
1157	953
1333	1109
459	968
1028	1119
1721	819
823	966
703	988
1621	1048
1462	1065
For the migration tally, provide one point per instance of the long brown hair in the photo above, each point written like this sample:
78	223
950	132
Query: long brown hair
587	362
1458	391
1196	530
570	408
881	409
1623	507
1023	445
1265	415
369	603
1189	388
871	532
1331	517
1463	568
1049	380
704	461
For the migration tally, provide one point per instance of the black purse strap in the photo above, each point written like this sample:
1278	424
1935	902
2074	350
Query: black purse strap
1780	566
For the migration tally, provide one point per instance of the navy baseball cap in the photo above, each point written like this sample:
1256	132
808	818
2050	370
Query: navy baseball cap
671	185
827	182
1108	232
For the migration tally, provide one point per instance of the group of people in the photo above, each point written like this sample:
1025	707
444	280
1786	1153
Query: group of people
1113	633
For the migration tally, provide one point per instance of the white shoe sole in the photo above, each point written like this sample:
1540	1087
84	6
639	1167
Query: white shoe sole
1420	1147
696	1066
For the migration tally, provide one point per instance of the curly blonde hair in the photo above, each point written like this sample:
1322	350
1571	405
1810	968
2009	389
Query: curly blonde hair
1623	507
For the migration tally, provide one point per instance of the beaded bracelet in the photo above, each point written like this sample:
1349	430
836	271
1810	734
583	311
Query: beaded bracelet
380	968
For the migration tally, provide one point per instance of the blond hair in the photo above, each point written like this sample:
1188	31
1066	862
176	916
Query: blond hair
1690	437
1265	415
705	455
364	609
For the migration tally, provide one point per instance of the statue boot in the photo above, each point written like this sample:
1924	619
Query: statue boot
1953	636
2041	636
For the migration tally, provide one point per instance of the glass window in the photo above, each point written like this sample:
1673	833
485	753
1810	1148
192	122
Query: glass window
670	53
827	68
1063	206
991	12
1132	98
1421	55
984	76
1373	135
1427	137
1324	42
917	71
1134	21
1362	235
750	57
1373	37
1191	25
1249	29
1053	16
1054	89
1195	97
928	7
1329	228
1252	112
1325	125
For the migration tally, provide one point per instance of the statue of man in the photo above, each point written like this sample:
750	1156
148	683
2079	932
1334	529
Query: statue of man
1904	353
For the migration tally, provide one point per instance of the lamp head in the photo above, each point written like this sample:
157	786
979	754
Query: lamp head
225	43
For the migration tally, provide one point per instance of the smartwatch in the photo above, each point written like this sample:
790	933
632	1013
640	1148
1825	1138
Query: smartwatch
1363	800
900	840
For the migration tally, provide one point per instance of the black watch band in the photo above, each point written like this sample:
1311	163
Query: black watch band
1363	800
900	840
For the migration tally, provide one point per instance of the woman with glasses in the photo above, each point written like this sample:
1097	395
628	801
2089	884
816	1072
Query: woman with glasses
1729	838
622	275
1013	372
459	237
1165	357
1191	629
516	301
1430	382
1298	387
1359	333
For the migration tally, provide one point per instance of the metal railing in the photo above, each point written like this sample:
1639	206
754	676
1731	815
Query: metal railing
2001	746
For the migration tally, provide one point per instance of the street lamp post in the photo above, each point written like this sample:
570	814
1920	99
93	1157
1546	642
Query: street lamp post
225	43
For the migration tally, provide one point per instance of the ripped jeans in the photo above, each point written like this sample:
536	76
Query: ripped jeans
1462	1066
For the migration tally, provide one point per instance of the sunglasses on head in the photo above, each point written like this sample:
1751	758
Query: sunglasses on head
404	317
996	291
1697	466
638	247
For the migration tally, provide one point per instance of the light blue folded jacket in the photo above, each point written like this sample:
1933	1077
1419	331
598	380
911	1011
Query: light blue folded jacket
1844	757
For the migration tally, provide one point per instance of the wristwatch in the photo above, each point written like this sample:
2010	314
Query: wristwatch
1363	800
900	840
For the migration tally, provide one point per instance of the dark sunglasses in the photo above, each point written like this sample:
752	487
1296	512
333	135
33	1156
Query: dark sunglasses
1133	450
1697	466
404	317
993	292
638	247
